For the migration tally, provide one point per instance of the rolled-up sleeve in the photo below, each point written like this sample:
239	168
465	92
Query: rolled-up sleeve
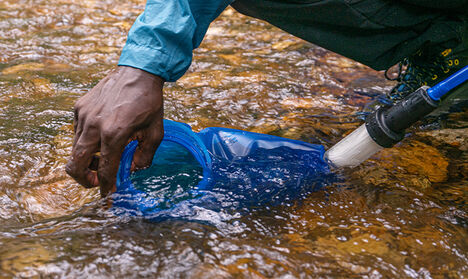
163	37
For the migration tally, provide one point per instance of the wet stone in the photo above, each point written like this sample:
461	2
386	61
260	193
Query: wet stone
456	138
23	67
411	163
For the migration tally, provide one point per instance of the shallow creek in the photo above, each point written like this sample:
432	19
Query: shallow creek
402	214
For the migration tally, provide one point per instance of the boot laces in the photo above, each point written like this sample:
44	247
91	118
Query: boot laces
414	72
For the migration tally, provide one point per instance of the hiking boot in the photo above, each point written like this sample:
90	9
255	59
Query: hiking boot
428	68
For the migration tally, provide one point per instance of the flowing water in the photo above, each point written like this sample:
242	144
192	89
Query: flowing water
402	214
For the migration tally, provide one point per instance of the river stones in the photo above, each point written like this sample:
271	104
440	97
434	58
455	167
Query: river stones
411	163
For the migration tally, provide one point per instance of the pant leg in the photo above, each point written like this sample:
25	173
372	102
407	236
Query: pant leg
377	33
457	6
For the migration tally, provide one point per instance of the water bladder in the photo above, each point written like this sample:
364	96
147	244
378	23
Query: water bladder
239	169
218	168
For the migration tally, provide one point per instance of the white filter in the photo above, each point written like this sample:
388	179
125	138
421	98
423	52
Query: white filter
353	149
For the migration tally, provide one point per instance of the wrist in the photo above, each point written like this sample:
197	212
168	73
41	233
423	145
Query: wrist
140	74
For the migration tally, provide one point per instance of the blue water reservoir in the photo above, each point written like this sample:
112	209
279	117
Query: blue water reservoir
218	169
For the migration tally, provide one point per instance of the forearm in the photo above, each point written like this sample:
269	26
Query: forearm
163	37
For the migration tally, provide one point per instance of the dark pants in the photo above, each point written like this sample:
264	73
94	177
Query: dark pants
377	33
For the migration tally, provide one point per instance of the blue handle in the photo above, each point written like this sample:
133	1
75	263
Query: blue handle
437	91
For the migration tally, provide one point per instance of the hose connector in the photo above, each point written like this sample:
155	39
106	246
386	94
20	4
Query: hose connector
383	128
386	126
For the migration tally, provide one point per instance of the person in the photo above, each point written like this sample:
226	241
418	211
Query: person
427	38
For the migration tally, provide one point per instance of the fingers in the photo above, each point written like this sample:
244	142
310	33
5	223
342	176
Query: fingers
85	146
112	145
128	102
148	141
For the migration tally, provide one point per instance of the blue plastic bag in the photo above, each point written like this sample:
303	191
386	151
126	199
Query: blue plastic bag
236	170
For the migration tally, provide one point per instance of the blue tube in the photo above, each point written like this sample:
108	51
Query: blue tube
437	91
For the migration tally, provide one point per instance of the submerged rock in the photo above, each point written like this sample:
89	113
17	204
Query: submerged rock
23	67
413	164
416	158
457	138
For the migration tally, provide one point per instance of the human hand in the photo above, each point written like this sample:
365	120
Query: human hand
124	106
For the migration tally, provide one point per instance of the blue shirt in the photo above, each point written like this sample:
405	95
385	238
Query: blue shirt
163	37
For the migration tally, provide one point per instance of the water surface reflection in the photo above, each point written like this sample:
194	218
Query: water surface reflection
401	214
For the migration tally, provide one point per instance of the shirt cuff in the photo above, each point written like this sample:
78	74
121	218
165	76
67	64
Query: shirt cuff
151	60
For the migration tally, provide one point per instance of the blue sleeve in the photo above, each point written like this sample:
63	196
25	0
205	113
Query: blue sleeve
163	37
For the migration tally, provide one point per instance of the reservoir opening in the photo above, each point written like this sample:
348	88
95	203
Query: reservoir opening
175	172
